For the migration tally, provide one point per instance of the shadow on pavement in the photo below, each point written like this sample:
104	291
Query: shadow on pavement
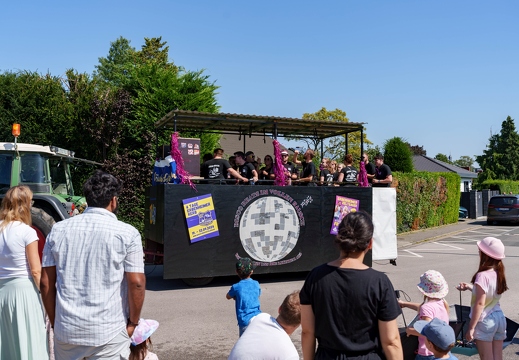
155	282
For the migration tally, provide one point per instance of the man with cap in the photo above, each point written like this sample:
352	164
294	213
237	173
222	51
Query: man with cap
440	337
268	337
245	293
290	168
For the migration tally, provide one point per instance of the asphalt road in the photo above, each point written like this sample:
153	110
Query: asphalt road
199	323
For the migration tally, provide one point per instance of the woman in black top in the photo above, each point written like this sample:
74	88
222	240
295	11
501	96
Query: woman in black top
347	306
328	176
349	174
266	171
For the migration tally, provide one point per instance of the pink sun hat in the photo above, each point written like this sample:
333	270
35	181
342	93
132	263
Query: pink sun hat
492	247
143	331
432	284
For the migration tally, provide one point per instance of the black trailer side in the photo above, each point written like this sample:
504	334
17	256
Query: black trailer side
283	229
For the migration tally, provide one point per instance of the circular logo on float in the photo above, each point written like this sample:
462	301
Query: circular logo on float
269	229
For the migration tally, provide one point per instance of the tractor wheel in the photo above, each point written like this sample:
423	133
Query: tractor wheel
42	223
199	281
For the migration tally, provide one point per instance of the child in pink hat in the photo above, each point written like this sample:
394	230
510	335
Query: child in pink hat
140	347
434	289
487	321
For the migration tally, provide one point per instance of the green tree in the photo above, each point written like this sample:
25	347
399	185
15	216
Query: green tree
39	104
398	155
417	150
334	148
372	152
155	87
443	157
114	68
500	161
154	51
464	161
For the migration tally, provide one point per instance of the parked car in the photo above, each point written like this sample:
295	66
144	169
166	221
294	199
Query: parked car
463	213
503	208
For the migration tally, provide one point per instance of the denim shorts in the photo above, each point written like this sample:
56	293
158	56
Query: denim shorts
493	327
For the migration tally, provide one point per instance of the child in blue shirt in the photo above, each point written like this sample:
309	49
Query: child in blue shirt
246	294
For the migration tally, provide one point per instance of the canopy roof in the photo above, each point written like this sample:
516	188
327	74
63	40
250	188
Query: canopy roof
254	125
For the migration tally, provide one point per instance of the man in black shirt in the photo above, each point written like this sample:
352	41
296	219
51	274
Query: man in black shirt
370	168
218	168
246	169
309	170
383	177
290	168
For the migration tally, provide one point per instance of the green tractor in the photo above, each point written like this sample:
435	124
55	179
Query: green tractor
46	171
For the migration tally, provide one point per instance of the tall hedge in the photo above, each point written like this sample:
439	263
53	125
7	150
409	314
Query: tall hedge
426	199
504	186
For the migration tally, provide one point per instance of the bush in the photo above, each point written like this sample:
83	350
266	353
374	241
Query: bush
398	156
426	199
504	186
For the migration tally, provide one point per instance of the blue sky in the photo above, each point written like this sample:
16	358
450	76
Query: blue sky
441	74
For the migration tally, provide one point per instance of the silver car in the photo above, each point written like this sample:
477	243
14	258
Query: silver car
503	208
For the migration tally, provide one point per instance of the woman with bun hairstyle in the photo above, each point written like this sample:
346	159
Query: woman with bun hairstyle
348	307
487	322
434	289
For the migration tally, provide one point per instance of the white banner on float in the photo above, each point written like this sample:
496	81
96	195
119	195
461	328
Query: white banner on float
384	220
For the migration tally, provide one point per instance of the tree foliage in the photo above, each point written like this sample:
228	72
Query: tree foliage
500	160
109	117
464	161
398	155
417	149
37	102
155	87
443	157
334	148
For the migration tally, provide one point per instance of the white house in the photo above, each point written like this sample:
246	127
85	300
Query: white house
425	163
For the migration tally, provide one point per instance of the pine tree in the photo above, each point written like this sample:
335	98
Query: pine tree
500	160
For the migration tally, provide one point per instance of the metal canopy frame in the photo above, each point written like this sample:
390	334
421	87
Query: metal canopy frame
255	125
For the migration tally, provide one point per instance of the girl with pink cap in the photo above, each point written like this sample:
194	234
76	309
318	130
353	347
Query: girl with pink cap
434	289
487	322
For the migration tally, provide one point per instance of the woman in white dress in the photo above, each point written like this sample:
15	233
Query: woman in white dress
22	325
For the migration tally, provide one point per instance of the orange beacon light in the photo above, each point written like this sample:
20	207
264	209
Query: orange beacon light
16	130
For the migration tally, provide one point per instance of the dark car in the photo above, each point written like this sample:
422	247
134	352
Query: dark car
503	208
463	213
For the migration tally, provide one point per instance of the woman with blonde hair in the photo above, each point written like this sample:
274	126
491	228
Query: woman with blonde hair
22	325
327	172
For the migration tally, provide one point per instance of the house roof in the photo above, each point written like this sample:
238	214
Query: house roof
255	125
425	163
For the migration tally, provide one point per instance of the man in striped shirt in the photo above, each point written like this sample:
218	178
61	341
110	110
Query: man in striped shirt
93	281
